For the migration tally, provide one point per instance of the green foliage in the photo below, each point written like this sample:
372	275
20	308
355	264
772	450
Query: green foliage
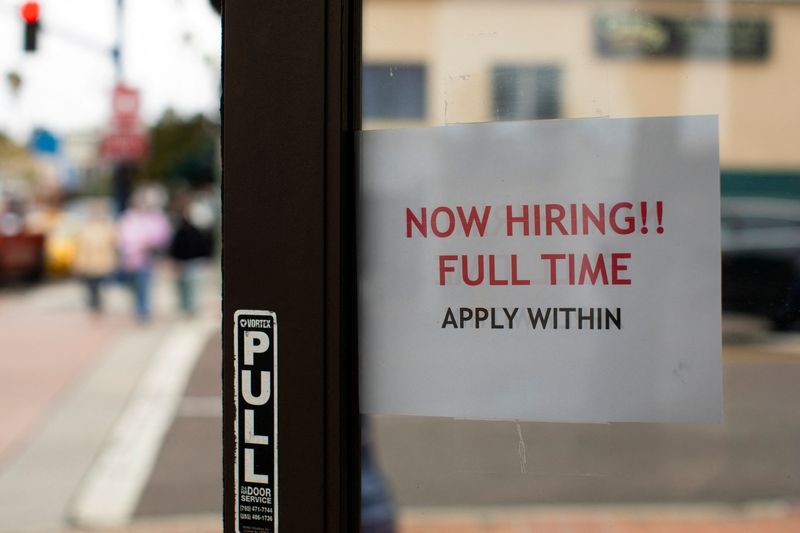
15	161
182	151
9	147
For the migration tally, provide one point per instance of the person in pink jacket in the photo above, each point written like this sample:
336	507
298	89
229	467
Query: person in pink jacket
143	230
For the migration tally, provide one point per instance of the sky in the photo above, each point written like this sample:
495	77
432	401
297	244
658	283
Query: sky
171	53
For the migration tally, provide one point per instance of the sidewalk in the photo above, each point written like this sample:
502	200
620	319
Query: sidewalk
87	398
46	347
179	524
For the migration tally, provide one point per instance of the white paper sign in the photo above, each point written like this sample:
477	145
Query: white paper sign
564	270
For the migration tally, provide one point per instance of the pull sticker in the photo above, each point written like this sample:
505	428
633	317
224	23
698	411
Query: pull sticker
255	365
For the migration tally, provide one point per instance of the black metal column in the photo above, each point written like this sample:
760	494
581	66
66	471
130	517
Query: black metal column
289	89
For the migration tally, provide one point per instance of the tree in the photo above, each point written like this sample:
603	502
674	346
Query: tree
182	151
16	164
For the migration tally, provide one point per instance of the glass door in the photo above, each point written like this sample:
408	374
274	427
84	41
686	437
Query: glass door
512	86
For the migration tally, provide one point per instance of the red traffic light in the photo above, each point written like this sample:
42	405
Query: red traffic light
30	12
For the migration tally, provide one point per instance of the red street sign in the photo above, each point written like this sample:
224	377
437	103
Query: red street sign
124	145
125	106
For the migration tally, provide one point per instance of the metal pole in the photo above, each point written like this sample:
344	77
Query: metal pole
122	172
289	113
117	53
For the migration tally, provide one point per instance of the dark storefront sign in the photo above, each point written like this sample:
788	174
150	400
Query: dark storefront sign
641	35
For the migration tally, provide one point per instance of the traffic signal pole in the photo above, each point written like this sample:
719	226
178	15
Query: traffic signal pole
117	51
289	111
122	172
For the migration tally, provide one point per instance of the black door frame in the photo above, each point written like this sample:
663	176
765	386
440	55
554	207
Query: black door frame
290	107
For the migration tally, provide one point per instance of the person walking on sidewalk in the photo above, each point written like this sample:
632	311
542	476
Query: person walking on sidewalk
143	231
192	244
96	252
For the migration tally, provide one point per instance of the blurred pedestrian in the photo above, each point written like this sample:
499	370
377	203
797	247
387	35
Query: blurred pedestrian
191	246
142	232
96	252
789	319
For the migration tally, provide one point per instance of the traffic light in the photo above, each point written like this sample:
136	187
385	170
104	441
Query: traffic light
30	16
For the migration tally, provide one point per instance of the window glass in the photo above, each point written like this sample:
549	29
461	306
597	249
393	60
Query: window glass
512	60
393	91
526	92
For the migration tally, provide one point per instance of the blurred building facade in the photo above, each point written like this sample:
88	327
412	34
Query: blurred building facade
435	62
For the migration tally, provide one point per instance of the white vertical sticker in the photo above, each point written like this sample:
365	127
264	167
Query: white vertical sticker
255	427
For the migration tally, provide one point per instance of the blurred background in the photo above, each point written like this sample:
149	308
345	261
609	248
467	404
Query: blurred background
109	273
109	265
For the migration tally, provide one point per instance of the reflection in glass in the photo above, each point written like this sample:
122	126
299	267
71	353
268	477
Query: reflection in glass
526	92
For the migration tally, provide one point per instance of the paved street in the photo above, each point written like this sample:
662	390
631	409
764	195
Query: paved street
187	477
753	456
114	426
751	462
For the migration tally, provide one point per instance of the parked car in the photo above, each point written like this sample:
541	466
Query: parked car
761	259
21	251
61	227
61	245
